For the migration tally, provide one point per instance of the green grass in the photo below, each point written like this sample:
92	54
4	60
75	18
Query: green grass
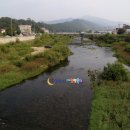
120	43
121	52
17	63
111	106
111	101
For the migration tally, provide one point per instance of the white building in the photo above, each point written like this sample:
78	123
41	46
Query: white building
2	31
128	31
45	30
26	30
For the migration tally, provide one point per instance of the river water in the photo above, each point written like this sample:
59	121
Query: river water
34	105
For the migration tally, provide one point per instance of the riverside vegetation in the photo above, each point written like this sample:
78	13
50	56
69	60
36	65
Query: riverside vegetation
17	63
111	101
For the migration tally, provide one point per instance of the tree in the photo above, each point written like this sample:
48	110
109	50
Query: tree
121	31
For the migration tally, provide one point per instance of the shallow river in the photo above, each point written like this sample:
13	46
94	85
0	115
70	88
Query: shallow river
34	105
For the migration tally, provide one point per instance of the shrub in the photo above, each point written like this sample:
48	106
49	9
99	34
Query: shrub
127	38
52	57
121	31
18	63
17	40
29	58
30	66
115	72
62	49
127	48
107	38
4	49
41	61
37	41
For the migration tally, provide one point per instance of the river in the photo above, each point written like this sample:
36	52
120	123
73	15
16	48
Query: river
34	105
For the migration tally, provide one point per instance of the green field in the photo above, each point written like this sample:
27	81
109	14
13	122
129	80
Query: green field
111	106
17	63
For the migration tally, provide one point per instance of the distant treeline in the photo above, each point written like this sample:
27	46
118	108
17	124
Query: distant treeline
76	25
6	22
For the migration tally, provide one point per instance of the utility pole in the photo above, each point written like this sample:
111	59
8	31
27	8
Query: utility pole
11	28
34	28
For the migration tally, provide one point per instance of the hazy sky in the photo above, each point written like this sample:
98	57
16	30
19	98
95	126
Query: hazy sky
44	10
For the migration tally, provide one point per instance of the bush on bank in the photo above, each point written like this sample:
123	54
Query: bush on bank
111	101
109	39
115	72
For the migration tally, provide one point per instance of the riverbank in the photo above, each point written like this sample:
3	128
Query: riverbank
17	63
111	101
119	43
110	106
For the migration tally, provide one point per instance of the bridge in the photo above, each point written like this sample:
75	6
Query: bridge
75	33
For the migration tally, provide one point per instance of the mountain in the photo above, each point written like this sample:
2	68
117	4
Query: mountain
102	21
59	21
75	25
83	24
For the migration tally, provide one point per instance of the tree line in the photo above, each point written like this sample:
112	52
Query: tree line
12	25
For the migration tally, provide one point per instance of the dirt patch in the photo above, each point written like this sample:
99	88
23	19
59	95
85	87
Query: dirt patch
37	50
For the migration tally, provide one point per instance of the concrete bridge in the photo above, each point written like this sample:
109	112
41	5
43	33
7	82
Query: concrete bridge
75	33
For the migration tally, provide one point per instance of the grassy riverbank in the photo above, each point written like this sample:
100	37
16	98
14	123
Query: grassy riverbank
17	63
111	106
111	101
122	52
119	43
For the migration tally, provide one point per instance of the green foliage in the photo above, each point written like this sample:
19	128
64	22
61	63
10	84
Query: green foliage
107	38
127	38
37	41
17	63
29	58
127	48
122	52
77	25
52	56
6	68
6	21
62	49
121	31
115	72
52	40
30	66
4	49
17	40
110	106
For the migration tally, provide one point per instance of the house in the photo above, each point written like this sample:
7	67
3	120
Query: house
127	28
26	30
2	31
128	31
45	30
114	31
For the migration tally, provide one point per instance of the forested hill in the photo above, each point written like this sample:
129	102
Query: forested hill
75	26
70	26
